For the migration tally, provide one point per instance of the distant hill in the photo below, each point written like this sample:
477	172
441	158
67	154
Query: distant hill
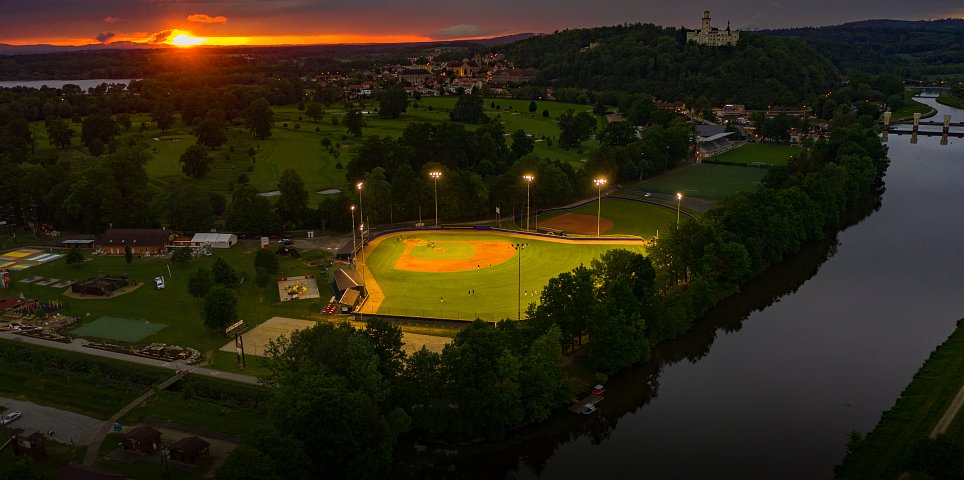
7	49
907	48
645	58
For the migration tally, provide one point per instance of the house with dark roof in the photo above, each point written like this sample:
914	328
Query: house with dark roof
189	450
142	439
143	241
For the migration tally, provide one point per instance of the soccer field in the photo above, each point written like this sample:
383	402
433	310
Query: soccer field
757	153
707	181
474	287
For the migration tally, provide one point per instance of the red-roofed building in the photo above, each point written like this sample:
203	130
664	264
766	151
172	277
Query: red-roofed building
141	240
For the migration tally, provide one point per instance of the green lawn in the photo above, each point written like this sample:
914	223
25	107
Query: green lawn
757	153
173	306
911	107
884	453
629	217
496	287
295	143
707	181
950	101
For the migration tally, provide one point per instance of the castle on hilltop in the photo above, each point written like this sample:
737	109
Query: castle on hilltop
714	37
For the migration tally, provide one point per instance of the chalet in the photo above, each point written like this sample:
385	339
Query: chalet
189	450
142	241
677	107
142	439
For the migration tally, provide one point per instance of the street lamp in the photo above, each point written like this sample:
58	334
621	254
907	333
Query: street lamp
519	247
599	182
528	178
354	246
361	312
679	200
435	176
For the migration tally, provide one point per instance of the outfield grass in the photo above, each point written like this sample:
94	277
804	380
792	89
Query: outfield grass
707	181
173	306
496	287
885	451
758	153
629	217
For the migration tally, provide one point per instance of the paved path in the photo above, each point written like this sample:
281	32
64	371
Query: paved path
105	427
78	346
68	427
949	414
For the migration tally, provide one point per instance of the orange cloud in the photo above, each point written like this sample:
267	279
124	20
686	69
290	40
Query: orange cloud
202	18
111	19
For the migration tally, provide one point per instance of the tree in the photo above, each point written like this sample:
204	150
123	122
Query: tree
469	109
258	117
522	144
98	127
200	283
532	106
74	256
185	206
267	261
181	256
210	132
163	115
124	120
575	128
59	133
195	162
618	134
250	212
220	308
128	254
292	204
386	340
355	122
392	102
315	111
222	272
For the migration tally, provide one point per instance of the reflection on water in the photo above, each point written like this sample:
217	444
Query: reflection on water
771	382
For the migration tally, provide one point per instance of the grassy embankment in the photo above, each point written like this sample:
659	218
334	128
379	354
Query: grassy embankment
296	143
886	450
951	101
911	107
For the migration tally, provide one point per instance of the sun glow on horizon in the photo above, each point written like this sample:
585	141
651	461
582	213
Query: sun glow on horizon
186	40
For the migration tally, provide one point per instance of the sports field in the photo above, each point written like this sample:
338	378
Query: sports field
467	275
707	181
116	328
619	217
759	154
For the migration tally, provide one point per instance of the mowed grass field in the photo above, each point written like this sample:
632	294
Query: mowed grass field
174	306
629	217
295	142
421	294
756	153
707	181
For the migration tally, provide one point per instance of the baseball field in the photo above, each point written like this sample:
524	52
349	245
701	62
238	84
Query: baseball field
466	275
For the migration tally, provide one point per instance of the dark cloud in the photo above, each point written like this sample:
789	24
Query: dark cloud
160	37
202	18
105	36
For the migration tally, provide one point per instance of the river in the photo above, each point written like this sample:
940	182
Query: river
770	384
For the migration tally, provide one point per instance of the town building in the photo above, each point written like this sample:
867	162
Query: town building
712	36
141	241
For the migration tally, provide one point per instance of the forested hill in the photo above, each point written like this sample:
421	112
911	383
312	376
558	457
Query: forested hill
760	71
907	48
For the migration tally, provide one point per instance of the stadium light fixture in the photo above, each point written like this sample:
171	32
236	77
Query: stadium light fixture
599	182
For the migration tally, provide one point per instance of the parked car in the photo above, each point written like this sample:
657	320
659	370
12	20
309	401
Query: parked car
588	409
598	390
159	281
10	417
286	241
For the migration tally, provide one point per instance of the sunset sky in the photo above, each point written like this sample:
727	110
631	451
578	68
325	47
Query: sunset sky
266	22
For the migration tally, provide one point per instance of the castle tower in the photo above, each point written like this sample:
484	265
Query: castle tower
706	21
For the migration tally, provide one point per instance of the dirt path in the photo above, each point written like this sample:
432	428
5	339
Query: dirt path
949	414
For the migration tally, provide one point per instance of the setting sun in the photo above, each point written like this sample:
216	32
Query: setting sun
185	40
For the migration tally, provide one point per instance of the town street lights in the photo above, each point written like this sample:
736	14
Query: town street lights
519	247
354	246
599	182
679	200
435	176
528	178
